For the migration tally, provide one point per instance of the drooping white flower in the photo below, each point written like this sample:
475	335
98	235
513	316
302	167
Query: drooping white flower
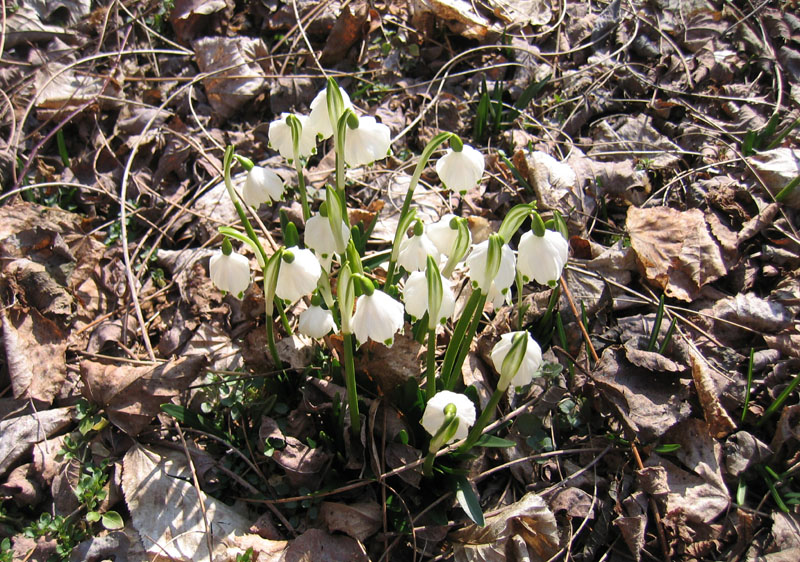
298	276
476	263
319	120
527	369
460	171
262	185
415	295
319	237
497	298
414	252
542	258
316	322
442	234
280	137
366	143
377	317
433	417
230	273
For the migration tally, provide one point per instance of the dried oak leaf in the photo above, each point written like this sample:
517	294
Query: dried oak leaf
35	349
132	396
675	249
235	75
19	435
525	530
166	513
359	520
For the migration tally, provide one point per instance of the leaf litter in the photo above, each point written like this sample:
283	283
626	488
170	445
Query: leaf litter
668	156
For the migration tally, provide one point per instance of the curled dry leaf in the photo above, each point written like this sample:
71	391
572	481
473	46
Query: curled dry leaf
235	75
166	513
525	530
301	463
743	450
719	422
35	349
574	502
359	520
19	435
132	396
675	249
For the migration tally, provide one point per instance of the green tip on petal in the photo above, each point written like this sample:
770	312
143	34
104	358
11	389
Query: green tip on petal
287	256
226	246
456	143
419	228
537	224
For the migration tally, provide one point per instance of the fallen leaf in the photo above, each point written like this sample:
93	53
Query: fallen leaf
429	204
166	513
189	16
743	450
633	532
776	168
22	486
750	310
35	286
675	249
132	396
236	70
525	530
348	29
359	520
788	343
719	422
19	435
522	12
319	546
574	502
459	15
301	463
35	349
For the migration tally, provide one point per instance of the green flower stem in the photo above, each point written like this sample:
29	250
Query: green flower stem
296	128
427	468
282	313
339	140
431	360
467	343
484	419
228	160
350	383
520	284
437	141
271	332
458	340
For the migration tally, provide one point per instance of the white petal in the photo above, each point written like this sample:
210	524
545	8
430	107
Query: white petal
230	273
542	258
476	263
414	252
298	278
415	294
280	137
460	171
316	322
530	363
261	186
319	121
433	416
442	236
366	143
377	317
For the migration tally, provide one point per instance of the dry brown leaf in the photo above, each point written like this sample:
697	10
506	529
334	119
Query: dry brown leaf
35	286
35	349
235	68
633	531
132	396
348	29
574	502
743	450
189	16
166	513
315	545
647	403
459	15
675	249
526	529
776	168
359	520
22	486
522	12
301	463
19	435
719	422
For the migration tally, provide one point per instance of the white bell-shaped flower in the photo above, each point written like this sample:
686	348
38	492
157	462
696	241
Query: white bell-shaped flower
476	263
415	296
280	137
262	185
542	258
377	317
529	366
319	237
433	417
497	298
460	171
366	143
442	234
298	275
230	273
414	252
316	322
319	121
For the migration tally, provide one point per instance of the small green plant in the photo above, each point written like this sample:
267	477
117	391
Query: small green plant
763	140
6	554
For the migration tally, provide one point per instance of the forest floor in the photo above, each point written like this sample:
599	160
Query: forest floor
664	132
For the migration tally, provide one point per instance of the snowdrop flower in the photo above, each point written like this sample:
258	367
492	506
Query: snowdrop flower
319	121
229	271
528	367
377	317
478	271
366	143
262	186
497	298
319	237
460	171
280	137
316	322
415	295
434	415
414	251
298	274
542	254
442	234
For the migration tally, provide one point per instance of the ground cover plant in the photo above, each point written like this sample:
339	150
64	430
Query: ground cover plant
399	281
